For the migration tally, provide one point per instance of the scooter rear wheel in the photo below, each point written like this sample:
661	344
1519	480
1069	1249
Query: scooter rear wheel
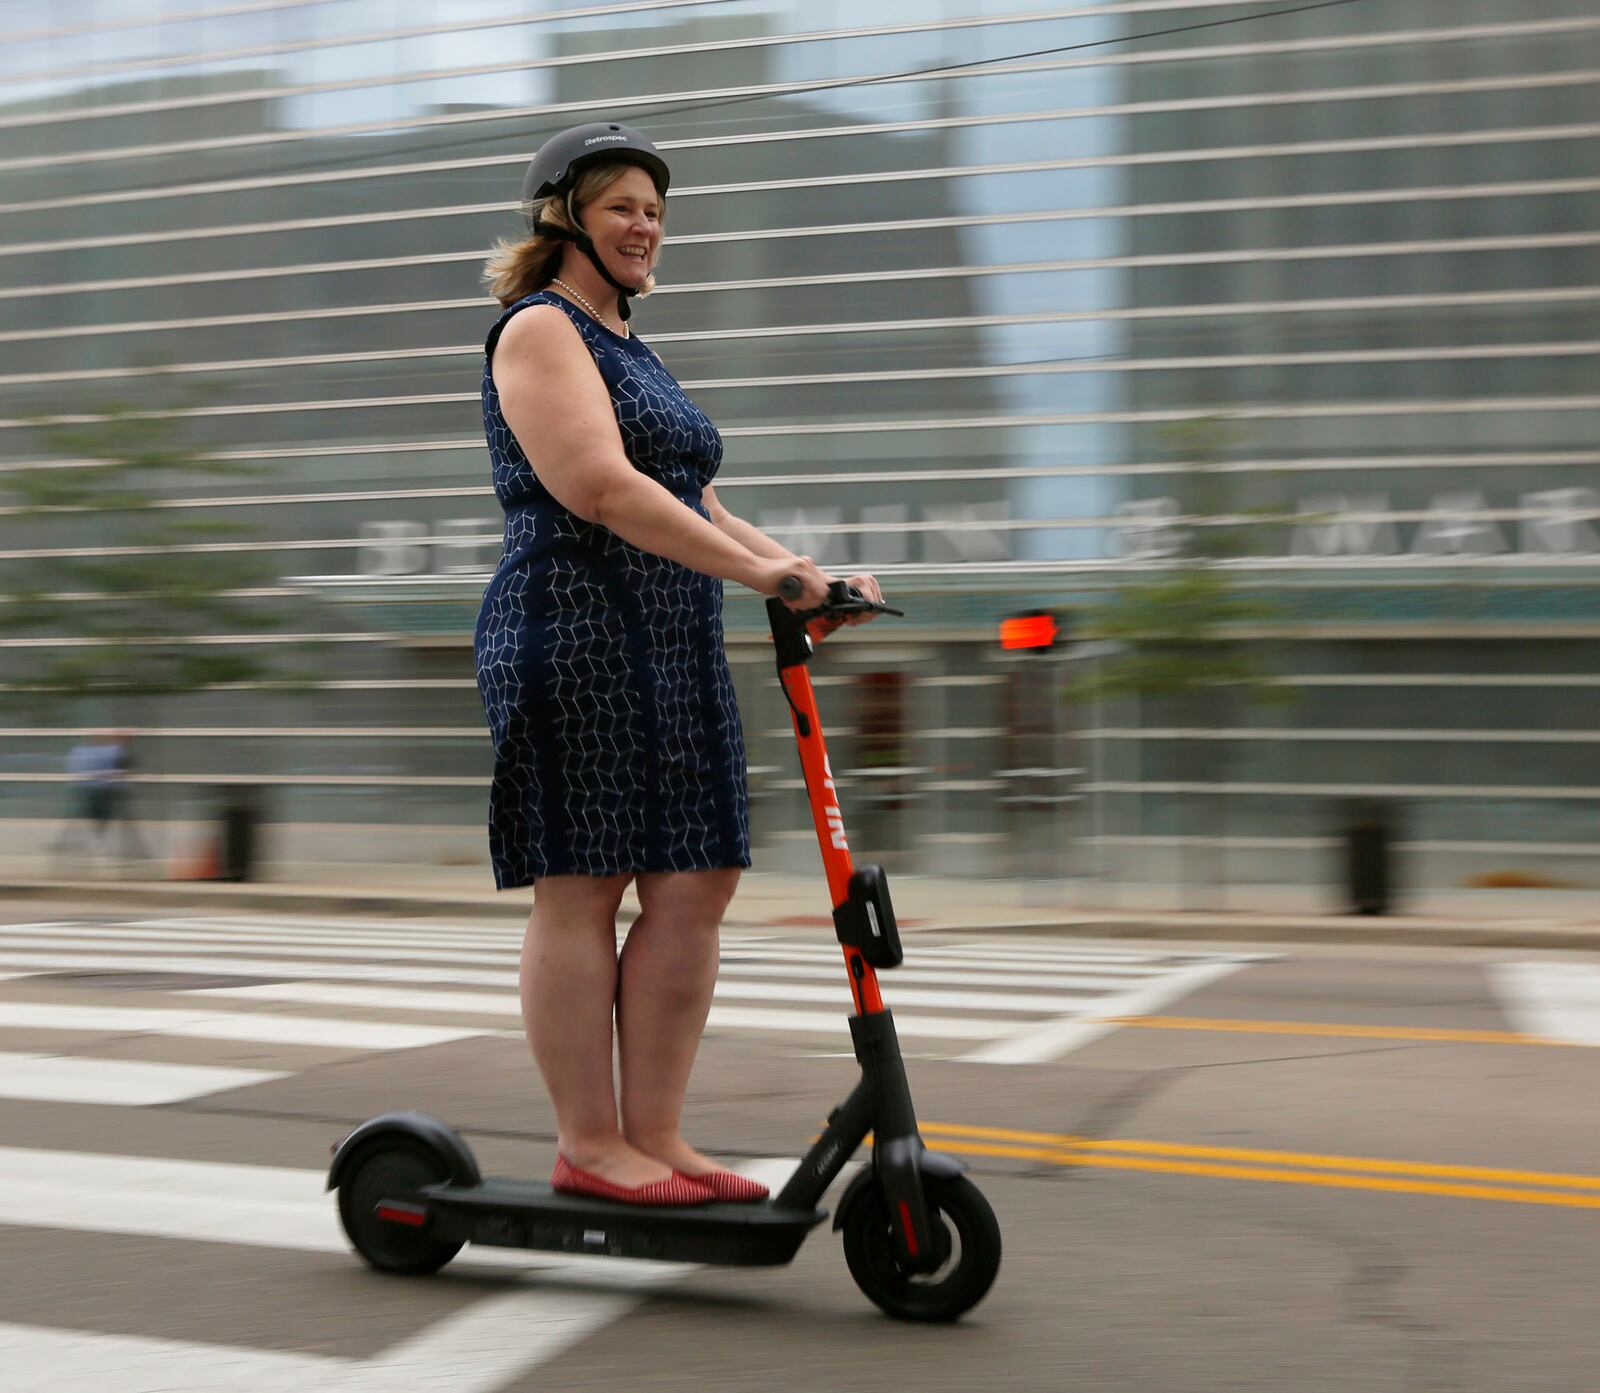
968	1236
384	1169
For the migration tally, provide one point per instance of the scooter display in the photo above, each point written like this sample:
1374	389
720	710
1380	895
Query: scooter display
919	1238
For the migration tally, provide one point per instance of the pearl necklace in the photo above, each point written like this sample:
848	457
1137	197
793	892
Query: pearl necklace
593	312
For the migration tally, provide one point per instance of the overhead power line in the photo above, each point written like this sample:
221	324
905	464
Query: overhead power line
647	113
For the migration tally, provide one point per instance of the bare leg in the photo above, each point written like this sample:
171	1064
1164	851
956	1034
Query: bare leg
569	987
668	971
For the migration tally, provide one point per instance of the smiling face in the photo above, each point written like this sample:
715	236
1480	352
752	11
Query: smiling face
624	222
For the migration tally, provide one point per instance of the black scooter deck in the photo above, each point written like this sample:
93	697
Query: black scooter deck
506	1213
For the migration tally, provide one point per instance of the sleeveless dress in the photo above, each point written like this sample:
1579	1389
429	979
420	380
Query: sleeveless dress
602	669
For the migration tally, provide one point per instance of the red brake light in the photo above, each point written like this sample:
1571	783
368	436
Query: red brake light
1028	631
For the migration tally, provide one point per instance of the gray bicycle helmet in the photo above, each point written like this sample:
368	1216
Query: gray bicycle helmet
563	157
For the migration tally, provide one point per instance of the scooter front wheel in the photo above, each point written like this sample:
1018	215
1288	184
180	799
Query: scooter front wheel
382	1170
969	1239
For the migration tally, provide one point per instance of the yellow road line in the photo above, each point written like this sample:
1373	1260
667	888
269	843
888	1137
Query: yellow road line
1347	1182
1057	1141
1437	1034
1063	1149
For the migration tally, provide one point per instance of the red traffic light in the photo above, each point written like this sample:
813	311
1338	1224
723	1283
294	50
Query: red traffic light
1037	630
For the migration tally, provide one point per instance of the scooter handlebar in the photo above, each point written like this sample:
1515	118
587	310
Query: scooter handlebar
843	600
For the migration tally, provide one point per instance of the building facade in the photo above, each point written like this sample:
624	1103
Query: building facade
956	282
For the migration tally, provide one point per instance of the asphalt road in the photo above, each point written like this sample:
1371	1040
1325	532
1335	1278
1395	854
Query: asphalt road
1215	1168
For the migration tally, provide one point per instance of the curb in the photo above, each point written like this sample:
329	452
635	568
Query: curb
1173	926
221	895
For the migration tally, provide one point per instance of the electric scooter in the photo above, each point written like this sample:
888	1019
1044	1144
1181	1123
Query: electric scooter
919	1237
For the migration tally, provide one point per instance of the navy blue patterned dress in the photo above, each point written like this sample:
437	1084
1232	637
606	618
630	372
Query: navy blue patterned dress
601	667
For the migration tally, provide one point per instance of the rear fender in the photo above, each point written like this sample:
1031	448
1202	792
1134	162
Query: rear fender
437	1136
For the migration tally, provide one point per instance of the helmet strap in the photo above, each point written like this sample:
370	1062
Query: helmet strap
583	243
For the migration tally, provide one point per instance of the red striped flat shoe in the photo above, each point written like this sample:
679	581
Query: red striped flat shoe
567	1179
727	1187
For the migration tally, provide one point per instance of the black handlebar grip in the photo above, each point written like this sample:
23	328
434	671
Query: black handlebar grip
790	588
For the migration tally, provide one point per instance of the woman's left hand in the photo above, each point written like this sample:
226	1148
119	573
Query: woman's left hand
869	587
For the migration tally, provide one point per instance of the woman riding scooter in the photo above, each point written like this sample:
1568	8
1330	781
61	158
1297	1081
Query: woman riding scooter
619	756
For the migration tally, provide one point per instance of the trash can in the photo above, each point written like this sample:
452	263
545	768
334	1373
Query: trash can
1369	874
240	820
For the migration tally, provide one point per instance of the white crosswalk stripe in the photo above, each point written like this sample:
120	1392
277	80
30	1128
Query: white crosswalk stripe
1550	999
115	1082
255	1026
422	983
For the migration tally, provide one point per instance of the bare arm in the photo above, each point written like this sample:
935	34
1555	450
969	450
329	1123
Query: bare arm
763	545
557	406
741	531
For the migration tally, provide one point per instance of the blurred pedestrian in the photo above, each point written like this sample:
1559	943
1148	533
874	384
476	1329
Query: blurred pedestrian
102	797
619	756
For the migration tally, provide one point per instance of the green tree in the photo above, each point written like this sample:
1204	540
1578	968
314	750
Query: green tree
118	581
1175	631
102	559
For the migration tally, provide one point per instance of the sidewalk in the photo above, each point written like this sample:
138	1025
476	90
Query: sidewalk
1278	914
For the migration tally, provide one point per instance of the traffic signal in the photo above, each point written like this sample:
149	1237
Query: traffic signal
1038	629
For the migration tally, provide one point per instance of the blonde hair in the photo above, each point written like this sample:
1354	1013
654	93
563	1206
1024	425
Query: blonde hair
517	267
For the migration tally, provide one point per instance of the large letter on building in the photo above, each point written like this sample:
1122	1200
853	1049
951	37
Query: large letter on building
1449	530
392	549
1341	526
1563	521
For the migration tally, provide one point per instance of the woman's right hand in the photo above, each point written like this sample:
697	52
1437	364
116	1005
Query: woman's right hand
814	581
